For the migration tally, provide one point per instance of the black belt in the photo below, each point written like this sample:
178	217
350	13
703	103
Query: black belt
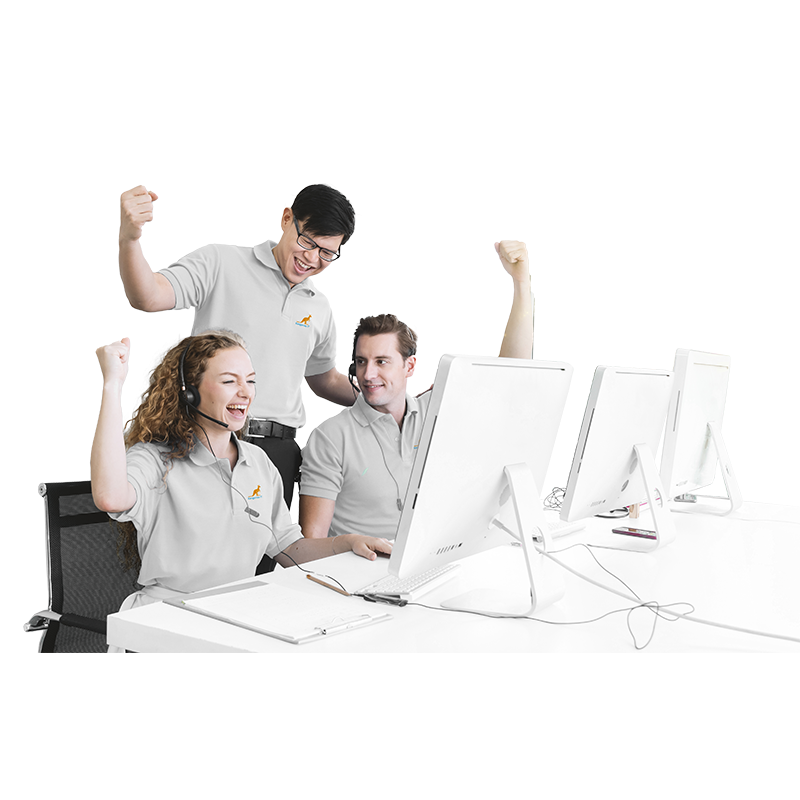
262	428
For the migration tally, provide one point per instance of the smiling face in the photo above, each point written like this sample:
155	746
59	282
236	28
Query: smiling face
227	387
295	263
383	373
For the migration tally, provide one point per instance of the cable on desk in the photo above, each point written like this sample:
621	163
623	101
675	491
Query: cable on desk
651	605
675	614
660	611
629	611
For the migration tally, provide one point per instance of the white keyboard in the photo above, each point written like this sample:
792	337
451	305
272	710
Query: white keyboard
413	587
559	528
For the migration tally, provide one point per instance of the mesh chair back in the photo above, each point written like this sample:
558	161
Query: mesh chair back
87	579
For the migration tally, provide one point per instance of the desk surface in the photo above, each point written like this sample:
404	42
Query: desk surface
738	570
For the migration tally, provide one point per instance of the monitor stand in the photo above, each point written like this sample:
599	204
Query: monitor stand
734	497
656	503
545	582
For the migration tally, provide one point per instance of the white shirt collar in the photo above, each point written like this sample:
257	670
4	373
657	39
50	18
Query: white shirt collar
263	252
202	456
366	415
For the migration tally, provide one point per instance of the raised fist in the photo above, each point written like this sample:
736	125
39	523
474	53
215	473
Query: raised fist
136	208
113	360
514	256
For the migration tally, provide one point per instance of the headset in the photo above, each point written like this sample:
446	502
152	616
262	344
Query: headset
190	395
351	374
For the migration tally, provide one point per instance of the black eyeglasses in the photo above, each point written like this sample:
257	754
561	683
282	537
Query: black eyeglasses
307	243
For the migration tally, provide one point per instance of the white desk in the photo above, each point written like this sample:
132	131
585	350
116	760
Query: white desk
739	570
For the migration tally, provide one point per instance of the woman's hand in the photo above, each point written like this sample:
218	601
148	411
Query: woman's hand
113	360
110	486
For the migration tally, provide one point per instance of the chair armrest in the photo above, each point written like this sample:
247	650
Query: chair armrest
40	621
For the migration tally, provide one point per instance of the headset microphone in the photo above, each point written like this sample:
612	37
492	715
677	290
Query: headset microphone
219	422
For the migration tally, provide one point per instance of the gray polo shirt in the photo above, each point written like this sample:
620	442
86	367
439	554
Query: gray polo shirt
289	330
344	461
193	531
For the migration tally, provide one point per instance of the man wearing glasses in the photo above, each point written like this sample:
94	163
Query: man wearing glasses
264	294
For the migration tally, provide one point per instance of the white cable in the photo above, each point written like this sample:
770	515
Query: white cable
661	610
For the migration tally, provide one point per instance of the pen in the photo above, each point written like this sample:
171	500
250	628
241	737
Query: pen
328	585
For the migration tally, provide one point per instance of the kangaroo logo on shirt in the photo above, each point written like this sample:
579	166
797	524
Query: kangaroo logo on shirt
256	493
304	322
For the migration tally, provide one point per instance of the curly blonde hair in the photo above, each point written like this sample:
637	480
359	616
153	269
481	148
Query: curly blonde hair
164	417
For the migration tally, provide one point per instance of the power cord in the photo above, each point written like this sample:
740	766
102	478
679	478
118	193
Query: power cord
659	611
654	607
555	500
678	615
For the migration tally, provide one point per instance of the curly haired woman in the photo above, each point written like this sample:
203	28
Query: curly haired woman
205	505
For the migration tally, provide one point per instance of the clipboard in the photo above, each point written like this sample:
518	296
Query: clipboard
279	611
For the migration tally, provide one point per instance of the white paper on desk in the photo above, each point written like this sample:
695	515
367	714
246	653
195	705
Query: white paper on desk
281	611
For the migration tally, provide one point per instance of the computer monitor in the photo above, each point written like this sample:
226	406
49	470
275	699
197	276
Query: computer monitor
693	443
614	463
477	476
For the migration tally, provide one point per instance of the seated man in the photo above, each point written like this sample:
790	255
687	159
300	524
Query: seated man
356	465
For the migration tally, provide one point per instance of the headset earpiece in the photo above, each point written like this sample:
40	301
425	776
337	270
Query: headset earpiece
189	394
351	376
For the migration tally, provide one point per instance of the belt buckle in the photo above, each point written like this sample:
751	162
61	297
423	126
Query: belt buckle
252	434
270	429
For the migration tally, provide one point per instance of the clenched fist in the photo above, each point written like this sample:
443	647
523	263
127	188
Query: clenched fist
136	208
113	360
514	256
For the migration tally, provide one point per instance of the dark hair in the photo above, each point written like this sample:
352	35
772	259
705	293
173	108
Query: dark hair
387	323
324	211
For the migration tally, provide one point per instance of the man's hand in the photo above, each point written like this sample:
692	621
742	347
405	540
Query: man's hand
136	208
113	360
366	546
334	386
514	256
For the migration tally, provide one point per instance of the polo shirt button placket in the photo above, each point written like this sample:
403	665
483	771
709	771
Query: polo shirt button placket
231	489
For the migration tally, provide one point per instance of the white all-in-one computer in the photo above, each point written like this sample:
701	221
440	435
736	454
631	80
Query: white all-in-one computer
693	443
477	476
614	464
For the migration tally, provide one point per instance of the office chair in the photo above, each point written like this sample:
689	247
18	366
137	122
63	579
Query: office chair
86	576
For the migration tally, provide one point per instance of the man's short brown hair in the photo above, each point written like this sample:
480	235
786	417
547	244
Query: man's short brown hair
387	323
